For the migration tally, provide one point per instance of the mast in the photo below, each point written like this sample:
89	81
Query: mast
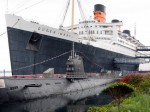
72	25
72	22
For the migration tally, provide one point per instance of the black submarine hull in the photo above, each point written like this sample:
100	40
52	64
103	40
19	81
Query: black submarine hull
21	89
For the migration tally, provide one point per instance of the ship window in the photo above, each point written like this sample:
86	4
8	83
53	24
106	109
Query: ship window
47	30
108	32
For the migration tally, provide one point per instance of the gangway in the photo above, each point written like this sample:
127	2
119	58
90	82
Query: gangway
129	61
143	48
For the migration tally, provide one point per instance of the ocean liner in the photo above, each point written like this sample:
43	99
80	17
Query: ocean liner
34	47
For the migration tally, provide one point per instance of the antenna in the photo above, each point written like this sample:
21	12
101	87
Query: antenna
135	29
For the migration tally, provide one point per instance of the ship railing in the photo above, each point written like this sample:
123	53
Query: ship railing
143	48
111	74
76	76
5	73
142	56
74	73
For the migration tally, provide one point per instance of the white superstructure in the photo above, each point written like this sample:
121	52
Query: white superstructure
102	35
106	34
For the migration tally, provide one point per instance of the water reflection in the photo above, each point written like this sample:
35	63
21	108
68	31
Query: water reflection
71	102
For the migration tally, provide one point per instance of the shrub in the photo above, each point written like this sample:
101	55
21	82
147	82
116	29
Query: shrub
137	103
132	79
145	84
104	108
118	91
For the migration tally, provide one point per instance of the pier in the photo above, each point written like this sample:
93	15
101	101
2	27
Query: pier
144	49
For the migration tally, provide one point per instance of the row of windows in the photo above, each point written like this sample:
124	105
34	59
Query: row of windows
125	36
104	38
96	32
96	26
87	22
125	43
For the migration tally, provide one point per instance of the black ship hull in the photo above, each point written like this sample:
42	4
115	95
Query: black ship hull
29	49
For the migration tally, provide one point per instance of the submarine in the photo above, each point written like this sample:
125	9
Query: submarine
60	103
14	89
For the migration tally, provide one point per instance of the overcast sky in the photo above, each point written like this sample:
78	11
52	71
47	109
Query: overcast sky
49	12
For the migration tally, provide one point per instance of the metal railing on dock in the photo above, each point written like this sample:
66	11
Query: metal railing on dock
5	73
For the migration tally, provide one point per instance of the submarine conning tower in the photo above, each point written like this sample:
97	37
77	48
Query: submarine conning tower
100	13
75	68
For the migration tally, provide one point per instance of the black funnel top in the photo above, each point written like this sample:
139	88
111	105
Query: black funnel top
127	32
100	7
